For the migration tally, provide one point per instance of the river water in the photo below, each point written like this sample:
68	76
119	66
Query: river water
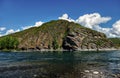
103	64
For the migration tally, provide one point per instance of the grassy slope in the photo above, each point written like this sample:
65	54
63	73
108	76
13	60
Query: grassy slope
116	42
46	33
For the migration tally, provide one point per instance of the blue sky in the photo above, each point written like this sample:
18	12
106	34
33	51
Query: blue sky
15	14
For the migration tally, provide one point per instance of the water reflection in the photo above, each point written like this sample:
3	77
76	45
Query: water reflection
60	65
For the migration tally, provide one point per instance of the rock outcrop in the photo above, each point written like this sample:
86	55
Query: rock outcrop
91	40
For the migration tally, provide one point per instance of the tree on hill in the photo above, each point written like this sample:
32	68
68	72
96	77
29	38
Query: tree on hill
99	42
55	44
9	42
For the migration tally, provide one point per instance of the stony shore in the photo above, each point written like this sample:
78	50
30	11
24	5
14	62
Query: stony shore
60	50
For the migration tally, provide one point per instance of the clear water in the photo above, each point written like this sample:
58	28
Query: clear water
104	64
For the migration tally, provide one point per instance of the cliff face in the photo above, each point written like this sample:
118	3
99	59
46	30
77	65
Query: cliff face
61	34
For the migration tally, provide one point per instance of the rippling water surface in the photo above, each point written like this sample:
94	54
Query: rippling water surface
104	64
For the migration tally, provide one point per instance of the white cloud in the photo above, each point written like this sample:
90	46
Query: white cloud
92	20
37	24
116	29
1	34
26	27
66	17
10	31
2	28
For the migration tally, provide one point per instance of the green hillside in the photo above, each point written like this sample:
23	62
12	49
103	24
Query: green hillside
60	34
116	42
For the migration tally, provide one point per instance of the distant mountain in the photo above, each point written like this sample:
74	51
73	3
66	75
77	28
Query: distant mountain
61	34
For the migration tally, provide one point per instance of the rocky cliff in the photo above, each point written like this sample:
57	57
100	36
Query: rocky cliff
61	34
